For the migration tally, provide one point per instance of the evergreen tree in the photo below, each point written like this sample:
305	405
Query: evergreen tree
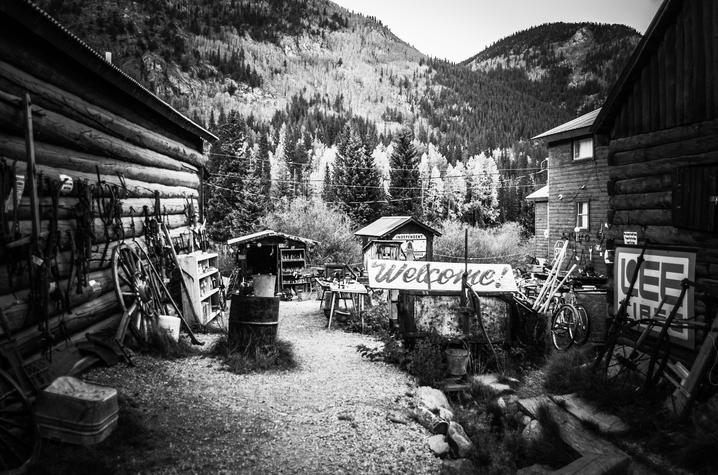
404	182
434	199
328	188
252	202
281	179
356	181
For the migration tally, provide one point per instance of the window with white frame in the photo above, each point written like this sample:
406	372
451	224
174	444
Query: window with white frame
582	214
583	148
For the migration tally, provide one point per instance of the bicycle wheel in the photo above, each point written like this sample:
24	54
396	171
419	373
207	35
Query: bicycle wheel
562	325
19	437
582	325
627	365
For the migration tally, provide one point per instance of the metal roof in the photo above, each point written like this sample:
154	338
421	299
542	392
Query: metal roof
41	23
269	233
573	127
539	195
388	224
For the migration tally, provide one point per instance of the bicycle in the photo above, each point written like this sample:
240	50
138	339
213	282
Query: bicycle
570	323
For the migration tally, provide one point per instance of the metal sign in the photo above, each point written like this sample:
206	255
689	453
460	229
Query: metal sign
630	238
659	279
412	244
439	276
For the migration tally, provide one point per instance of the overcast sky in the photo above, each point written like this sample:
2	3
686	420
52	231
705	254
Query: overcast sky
458	29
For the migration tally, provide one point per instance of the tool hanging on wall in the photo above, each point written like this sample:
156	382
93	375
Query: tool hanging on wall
109	208
84	234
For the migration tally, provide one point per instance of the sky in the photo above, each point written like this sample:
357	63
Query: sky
458	29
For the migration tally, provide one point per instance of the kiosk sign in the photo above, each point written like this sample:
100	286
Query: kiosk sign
659	280
412	242
440	276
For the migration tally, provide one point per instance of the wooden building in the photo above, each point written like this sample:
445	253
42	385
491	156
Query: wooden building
272	253
659	131
577	195
105	148
415	238
541	231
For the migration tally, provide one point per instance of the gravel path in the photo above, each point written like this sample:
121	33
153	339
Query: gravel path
327	416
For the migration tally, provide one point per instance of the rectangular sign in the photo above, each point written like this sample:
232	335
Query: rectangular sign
659	278
412	244
630	238
439	276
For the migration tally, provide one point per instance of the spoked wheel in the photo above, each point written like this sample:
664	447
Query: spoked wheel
19	438
627	365
562	326
135	291
582	327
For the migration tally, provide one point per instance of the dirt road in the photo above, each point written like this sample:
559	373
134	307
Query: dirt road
191	416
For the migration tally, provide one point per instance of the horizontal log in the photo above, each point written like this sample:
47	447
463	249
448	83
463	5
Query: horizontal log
645	184
135	188
104	326
661	166
667	235
51	127
70	105
66	207
79	319
22	281
657	200
48	155
16	306
666	136
696	146
643	217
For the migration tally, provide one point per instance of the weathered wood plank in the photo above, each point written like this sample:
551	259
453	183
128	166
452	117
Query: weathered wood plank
680	71
669	69
655	200
571	430
661	166
67	205
663	137
697	145
643	217
585	411
645	184
76	108
595	465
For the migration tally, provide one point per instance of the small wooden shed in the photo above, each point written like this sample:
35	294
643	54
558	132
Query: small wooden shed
577	196
98	139
659	132
273	253
415	239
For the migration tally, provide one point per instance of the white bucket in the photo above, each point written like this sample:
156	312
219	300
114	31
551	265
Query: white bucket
171	325
264	285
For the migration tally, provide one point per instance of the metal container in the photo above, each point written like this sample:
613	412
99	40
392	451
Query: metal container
74	411
253	320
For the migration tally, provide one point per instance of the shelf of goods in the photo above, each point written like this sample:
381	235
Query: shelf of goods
203	279
292	264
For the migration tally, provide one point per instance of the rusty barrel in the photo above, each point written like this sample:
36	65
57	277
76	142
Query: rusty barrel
253	320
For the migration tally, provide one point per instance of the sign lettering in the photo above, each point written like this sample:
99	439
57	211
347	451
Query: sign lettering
657	286
439	276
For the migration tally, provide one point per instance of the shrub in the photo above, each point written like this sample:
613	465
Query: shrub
254	357
314	219
427	360
507	243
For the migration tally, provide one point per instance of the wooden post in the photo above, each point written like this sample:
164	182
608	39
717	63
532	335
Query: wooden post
31	170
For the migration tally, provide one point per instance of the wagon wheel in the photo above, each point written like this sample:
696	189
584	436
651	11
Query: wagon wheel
135	288
19	438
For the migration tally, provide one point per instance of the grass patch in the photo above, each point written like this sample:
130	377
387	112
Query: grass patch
162	345
255	356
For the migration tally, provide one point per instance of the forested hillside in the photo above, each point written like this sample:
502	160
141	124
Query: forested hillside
570	65
304	93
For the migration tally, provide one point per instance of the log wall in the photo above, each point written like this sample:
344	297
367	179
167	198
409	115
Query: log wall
572	181
81	129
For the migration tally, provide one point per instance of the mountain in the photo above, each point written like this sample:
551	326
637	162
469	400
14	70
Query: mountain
570	65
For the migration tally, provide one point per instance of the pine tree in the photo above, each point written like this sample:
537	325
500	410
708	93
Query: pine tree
253	204
356	183
434	199
280	189
404	182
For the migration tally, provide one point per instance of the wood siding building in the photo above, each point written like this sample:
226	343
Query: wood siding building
577	195
104	137
540	200
659	131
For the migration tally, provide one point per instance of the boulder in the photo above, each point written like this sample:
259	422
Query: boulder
458	467
446	414
438	445
459	440
532	432
491	381
432	398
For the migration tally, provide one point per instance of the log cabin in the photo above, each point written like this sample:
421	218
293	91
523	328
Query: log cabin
658	130
82	121
577	196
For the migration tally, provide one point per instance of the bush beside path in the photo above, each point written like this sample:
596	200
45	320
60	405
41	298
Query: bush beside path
191	415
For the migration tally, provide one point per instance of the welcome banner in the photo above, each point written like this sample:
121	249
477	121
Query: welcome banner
439	276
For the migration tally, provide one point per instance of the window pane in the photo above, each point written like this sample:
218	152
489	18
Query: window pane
583	148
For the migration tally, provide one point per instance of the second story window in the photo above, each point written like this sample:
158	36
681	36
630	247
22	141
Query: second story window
582	148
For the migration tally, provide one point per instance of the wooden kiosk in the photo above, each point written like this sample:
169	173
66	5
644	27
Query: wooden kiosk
272	253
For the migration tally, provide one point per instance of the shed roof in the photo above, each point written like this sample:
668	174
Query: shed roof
539	195
665	16
388	224
269	233
573	128
36	20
